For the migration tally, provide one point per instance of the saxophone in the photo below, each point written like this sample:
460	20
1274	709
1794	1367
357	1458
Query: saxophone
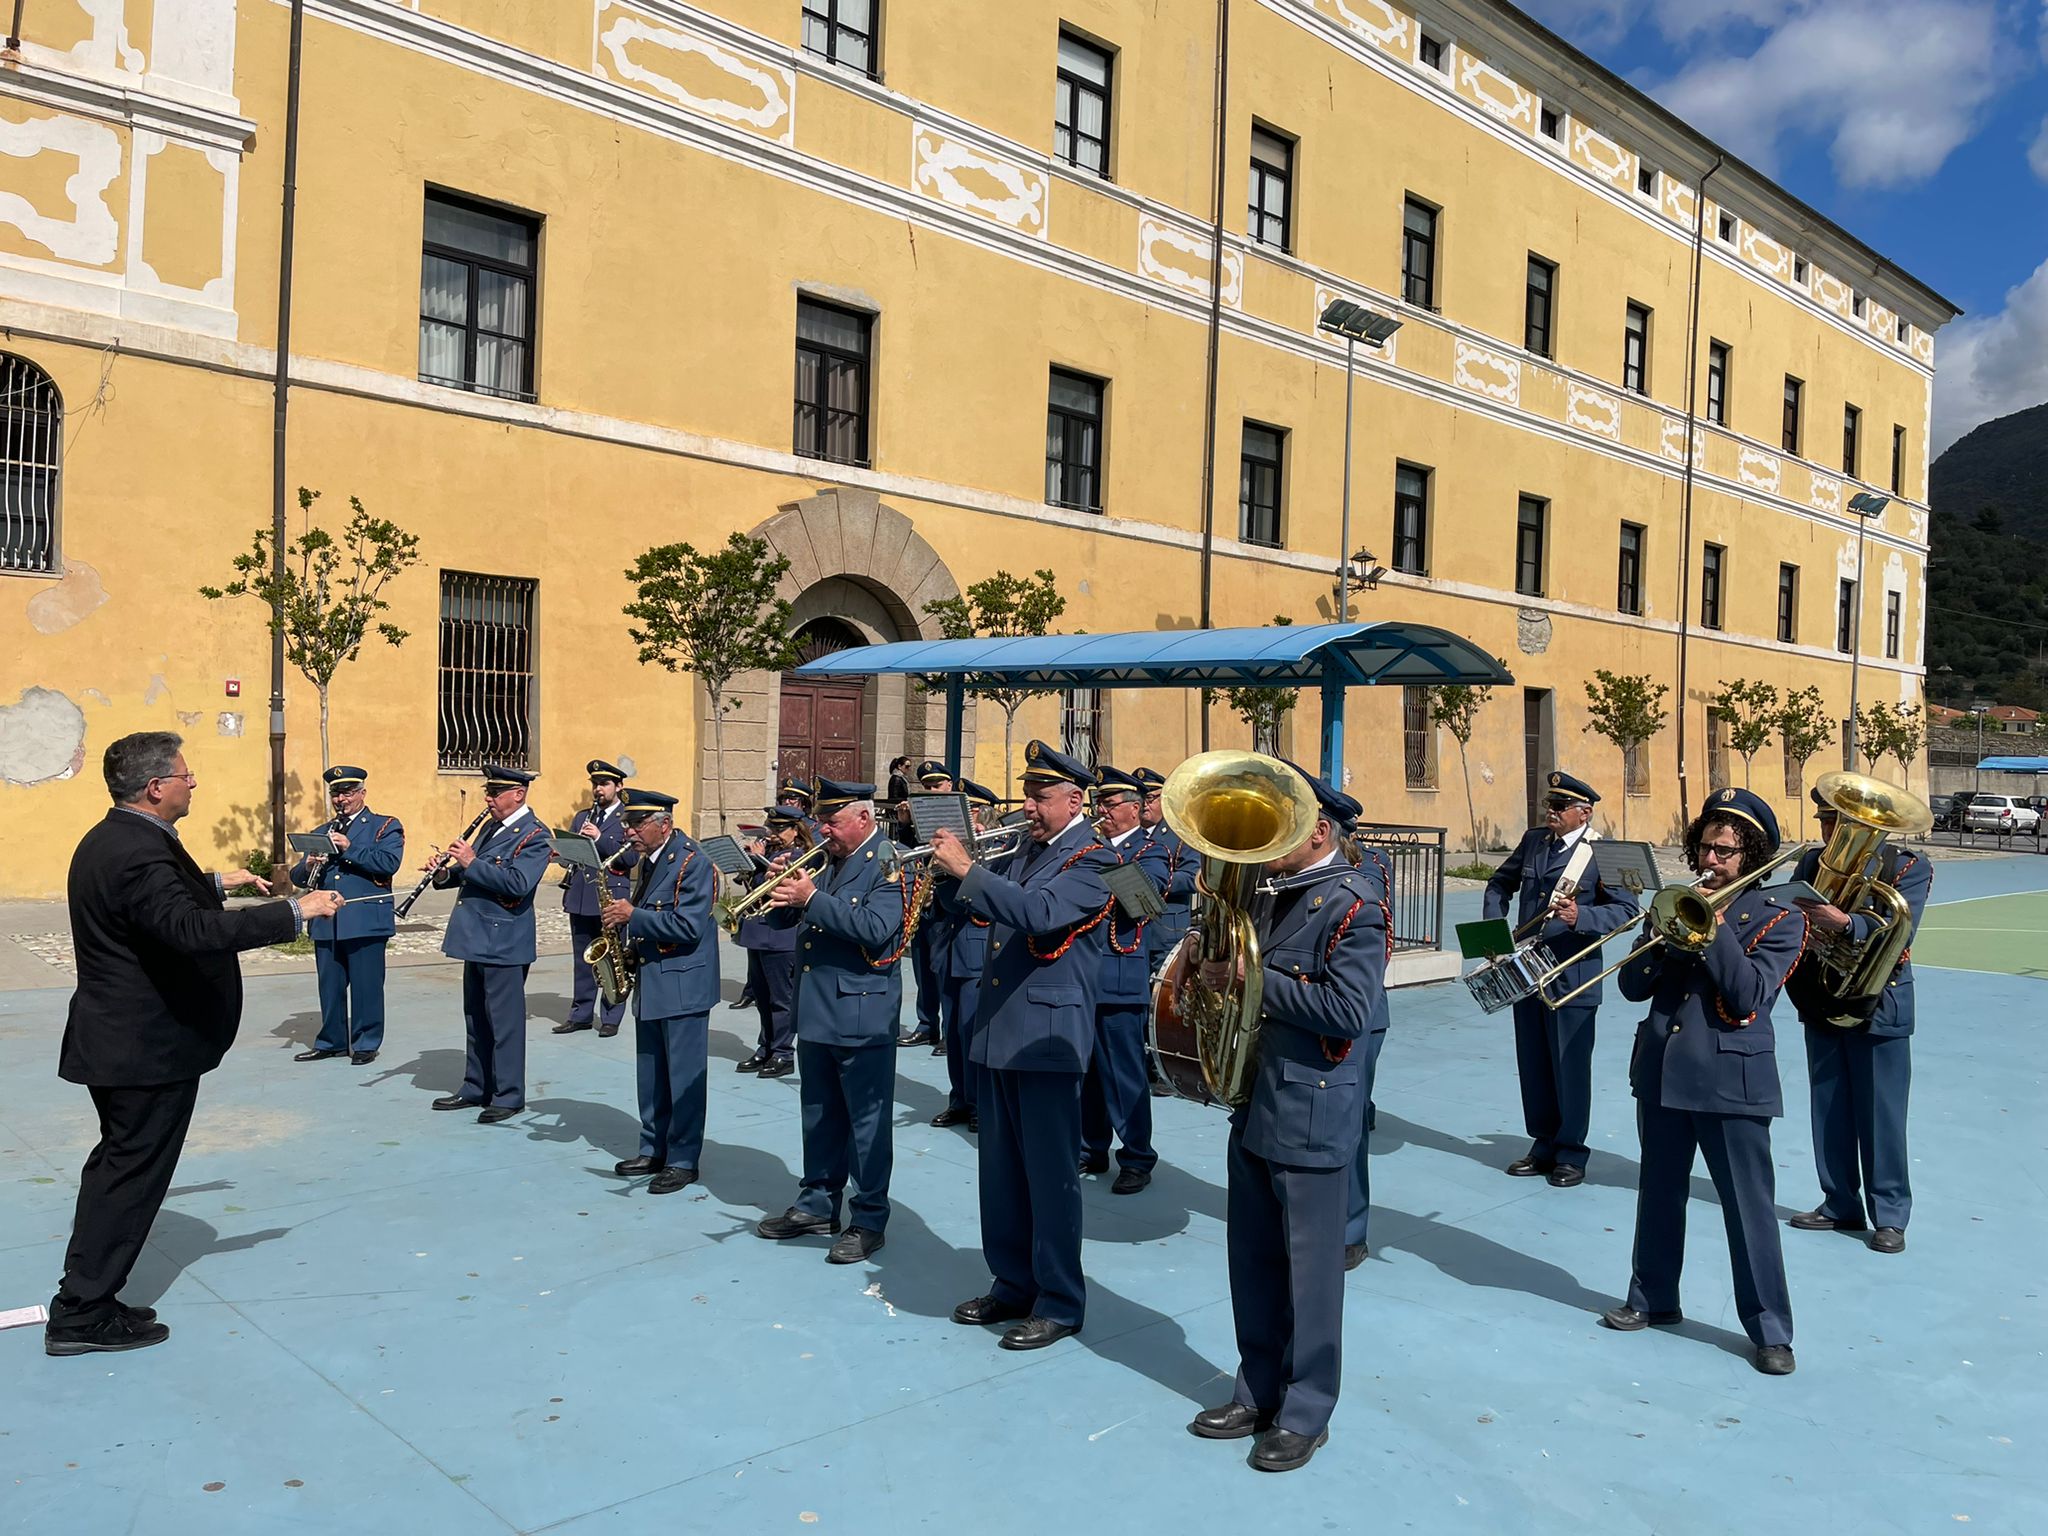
610	961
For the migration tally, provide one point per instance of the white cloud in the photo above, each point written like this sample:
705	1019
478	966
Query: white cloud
1992	365
1896	84
2037	154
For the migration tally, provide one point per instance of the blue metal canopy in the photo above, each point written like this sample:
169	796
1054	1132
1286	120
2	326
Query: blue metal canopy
1280	656
2014	764
1331	657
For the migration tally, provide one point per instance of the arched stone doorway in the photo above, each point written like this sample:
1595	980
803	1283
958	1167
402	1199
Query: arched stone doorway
859	574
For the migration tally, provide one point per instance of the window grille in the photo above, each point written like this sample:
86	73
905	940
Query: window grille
487	670
31	456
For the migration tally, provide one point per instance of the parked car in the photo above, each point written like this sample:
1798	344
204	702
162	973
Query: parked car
1945	813
1999	813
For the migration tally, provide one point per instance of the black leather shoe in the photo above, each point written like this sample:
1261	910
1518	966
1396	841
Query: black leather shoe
1095	1165
636	1167
854	1245
1818	1220
1888	1240
1129	1181
781	1066
570	1026
606	1031
1527	1168
140	1314
753	1063
1233	1421
938	1047
1626	1319
915	1037
455	1101
1283	1450
795	1223
669	1180
952	1114
1036	1333
363	1058
316	1054
1355	1254
497	1114
1775	1359
986	1309
974	1125
1565	1175
116	1331
742	1003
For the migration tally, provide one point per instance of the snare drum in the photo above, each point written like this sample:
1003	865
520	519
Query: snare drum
1508	979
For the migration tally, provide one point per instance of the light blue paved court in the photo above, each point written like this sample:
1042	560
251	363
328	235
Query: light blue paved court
391	1321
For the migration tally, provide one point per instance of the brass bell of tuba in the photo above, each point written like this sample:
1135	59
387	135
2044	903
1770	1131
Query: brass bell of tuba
1844	976
1239	811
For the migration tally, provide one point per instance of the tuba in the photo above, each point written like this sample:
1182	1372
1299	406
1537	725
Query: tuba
1239	811
1844	978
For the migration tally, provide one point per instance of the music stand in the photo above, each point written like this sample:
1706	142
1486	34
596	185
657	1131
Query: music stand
931	810
1487	939
575	848
1630	867
727	856
1134	891
312	844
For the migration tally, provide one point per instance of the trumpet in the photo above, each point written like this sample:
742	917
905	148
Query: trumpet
812	858
987	843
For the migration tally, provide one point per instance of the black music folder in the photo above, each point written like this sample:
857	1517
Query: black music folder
727	856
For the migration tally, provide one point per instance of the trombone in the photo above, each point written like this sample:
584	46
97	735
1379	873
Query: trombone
812	858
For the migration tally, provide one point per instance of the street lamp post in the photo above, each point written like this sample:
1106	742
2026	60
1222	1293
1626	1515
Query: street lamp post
1866	505
1980	709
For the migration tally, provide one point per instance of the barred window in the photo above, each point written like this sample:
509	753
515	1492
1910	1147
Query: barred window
487	670
1418	740
1081	723
31	454
477	274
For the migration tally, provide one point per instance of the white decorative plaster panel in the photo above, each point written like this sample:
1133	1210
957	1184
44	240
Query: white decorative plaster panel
1825	494
762	96
1496	93
964	175
1832	293
1181	258
1374	20
90	235
1679	201
1486	372
1759	469
218	290
193	42
1592	411
1764	253
1602	156
1672	443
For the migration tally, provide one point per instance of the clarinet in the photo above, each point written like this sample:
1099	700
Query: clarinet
437	866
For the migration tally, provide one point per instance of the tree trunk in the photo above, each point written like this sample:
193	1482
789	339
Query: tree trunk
718	753
326	761
1624	794
1471	816
1745	770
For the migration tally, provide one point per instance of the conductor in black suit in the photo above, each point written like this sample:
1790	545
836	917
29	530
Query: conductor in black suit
159	999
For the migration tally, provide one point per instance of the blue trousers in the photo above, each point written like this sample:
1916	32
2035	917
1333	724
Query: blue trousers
1286	1243
1115	1094
583	932
1860	1084
771	976
494	1021
847	1093
927	968
1031	1191
351	975
1358	1213
670	1055
1554	1052
1737	1149
962	1075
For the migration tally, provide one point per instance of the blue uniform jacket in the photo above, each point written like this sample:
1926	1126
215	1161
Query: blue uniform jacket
967	946
1038	1014
1376	879
772	930
1914	878
673	934
1178	868
1325	976
1530	874
376	849
580	897
492	923
854	918
1707	1044
1127	947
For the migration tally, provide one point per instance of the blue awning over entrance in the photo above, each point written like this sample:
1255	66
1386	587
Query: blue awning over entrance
2014	764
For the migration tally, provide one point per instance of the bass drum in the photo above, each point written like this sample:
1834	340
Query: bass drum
1170	1032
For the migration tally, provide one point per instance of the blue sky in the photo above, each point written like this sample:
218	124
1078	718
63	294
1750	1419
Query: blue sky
1919	125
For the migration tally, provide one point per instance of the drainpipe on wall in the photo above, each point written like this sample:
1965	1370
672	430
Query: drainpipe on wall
281	387
1215	330
14	31
1692	378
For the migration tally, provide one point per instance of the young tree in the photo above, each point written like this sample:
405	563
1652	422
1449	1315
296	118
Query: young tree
1806	726
1751	710
1455	707
326	602
716	615
1260	708
1628	711
1886	730
1001	606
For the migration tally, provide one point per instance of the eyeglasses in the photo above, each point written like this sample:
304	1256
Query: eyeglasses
1721	851
1558	803
188	777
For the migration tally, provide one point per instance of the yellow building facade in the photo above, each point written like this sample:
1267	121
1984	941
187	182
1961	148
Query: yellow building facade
916	293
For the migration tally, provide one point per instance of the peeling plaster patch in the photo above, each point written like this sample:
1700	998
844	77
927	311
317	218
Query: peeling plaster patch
229	722
157	688
55	609
190	717
625	761
97	697
41	738
1532	631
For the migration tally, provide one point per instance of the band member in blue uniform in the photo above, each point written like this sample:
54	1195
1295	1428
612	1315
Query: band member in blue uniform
769	938
966	951
1554	1046
1323	944
1034	1030
491	933
848	993
585	894
672	942
1705	1075
1181	867
796	792
1376	879
1115	1095
926	959
1860	1074
348	948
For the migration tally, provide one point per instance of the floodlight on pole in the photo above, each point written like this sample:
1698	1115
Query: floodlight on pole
1355	323
1867	505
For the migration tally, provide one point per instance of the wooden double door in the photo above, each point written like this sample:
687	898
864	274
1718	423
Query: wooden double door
819	733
